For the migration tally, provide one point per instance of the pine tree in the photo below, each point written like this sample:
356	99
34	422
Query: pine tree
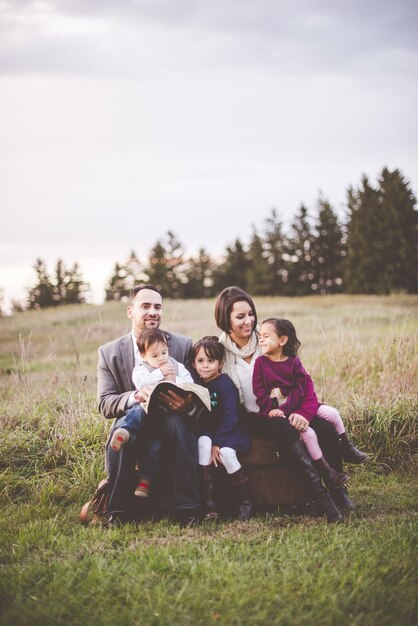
124	277
274	245
362	264
259	272
399	230
156	268
198	276
233	268
116	287
327	251
298	249
175	266
382	236
60	289
75	286
42	294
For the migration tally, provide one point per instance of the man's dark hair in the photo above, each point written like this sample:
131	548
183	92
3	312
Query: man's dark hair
138	288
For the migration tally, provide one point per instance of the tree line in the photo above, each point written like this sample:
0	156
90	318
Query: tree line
373	250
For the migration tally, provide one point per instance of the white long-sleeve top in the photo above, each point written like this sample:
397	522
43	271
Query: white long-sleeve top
143	374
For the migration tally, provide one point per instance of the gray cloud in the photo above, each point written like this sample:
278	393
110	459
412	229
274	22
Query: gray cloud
300	36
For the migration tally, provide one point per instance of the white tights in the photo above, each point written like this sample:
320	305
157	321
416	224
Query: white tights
228	455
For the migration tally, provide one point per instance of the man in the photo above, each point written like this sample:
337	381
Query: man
116	394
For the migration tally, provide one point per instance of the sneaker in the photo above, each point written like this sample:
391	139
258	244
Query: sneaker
119	438
143	488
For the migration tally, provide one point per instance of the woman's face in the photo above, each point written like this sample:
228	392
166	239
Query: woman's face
241	321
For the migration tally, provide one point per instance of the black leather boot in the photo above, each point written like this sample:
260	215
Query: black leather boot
211	512
242	493
342	499
331	478
350	453
301	463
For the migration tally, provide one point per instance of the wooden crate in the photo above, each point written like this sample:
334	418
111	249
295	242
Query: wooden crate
271	481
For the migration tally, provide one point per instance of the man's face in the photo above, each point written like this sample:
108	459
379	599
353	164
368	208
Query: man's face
145	311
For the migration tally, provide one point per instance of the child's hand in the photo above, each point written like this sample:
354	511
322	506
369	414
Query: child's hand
168	369
299	422
143	394
276	413
215	456
170	377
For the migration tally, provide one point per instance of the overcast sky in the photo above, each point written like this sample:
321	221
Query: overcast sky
121	119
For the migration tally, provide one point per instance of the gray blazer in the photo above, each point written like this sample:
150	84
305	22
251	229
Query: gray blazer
116	364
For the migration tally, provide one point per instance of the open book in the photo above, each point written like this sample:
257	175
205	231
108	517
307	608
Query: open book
200	396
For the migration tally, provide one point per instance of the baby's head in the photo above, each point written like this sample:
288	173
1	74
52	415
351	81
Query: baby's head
208	356
153	347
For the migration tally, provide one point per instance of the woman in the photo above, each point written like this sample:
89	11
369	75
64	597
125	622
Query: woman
236	316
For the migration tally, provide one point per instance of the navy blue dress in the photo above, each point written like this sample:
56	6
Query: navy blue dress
223	426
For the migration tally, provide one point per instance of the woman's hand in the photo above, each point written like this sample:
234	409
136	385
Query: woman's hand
215	456
299	422
177	403
276	413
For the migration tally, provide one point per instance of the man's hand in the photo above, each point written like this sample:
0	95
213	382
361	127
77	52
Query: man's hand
177	403
299	422
142	395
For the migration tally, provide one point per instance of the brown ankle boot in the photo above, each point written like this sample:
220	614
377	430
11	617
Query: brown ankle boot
211	512
331	478
242	494
350	453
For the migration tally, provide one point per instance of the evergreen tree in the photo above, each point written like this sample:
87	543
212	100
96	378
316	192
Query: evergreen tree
233	268
125	276
327	251
298	250
399	231
274	246
362	264
175	266
382	236
116	288
75	287
60	288
156	268
259	272
198	276
42	294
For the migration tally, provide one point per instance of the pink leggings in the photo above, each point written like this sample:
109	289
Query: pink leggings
309	437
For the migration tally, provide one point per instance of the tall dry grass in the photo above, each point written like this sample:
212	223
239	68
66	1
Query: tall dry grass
360	351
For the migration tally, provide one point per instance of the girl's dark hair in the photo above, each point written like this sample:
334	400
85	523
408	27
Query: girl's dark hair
148	337
285	327
224	304
210	344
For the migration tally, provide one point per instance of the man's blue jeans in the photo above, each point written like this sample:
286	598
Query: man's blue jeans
178	458
149	445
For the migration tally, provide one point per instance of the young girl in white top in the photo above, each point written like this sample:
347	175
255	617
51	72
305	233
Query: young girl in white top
156	366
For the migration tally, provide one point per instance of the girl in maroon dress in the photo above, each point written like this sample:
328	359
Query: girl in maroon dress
284	389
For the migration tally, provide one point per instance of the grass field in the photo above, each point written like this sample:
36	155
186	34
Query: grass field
362	355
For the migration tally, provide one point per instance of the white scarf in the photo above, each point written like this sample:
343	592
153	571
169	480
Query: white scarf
233	353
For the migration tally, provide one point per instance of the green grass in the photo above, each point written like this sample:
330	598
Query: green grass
362	354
